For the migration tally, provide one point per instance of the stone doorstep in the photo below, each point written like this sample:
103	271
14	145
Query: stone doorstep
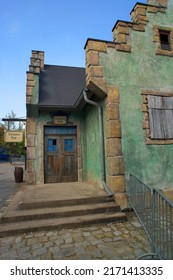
7	229
39	203
50	207
59	212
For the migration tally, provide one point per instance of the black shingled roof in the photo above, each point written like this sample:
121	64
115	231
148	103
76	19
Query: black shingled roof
61	86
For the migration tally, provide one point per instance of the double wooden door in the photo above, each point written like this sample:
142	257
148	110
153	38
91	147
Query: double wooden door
60	158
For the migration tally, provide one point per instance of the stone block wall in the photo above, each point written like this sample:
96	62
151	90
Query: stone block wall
96	83
36	64
95	80
31	150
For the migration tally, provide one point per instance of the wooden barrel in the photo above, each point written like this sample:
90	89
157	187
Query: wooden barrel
18	174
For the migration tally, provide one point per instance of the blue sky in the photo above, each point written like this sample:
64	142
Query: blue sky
60	28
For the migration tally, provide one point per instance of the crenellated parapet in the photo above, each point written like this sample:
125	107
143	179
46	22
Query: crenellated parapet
162	3
139	15
36	64
95	80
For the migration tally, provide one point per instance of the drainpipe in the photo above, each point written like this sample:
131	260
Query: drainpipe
103	173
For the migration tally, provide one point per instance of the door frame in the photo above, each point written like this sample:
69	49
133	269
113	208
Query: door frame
78	149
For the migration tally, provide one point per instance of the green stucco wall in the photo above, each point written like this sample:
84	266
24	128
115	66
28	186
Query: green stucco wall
132	72
92	162
91	145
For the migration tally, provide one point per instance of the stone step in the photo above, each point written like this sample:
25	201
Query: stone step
59	223
59	212
35	204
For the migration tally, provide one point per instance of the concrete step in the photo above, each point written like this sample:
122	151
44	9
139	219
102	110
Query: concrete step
35	204
59	223
59	212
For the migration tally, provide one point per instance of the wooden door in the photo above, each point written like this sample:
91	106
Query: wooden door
68	159
52	159
60	158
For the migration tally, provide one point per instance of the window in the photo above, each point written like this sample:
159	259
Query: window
51	145
165	40
160	109
68	145
157	108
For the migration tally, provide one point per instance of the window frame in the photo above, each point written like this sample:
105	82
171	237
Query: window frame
158	31
146	118
162	43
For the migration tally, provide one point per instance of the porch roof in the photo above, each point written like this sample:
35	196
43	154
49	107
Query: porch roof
60	86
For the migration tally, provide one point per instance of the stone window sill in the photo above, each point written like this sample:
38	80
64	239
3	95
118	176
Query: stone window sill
164	52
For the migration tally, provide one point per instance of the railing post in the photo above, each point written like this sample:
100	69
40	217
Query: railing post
153	221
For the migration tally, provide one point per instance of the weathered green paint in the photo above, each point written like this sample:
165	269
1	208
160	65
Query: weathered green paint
131	72
91	145
92	166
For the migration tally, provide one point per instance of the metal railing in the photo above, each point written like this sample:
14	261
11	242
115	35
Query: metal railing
155	213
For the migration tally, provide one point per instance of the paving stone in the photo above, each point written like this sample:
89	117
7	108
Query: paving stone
57	255
85	243
28	236
52	238
107	229
39	234
43	239
117	239
37	246
47	256
4	249
138	253
39	252
87	234
25	256
7	240
50	233
117	233
78	239
68	240
18	246
109	234
107	240
136	224
48	244
96	254
97	232
31	241
18	239
65	246
96	242
68	252
59	241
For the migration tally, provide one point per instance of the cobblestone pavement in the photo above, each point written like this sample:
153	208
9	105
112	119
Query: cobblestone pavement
119	241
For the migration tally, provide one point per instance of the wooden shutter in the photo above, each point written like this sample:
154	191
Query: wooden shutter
160	117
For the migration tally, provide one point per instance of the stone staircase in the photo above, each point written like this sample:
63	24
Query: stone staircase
34	215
